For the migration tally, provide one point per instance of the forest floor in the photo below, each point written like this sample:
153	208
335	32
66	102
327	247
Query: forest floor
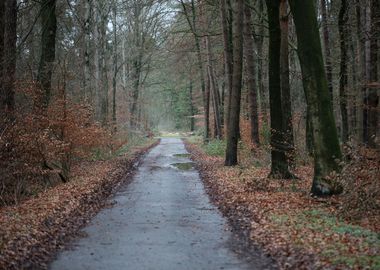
32	231
161	220
298	231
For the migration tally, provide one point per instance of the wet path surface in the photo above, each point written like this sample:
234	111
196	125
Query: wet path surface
162	220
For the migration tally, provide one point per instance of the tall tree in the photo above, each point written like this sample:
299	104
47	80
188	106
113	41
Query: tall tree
234	105
326	43
325	138
45	69
250	74
214	91
373	92
87	44
279	166
191	17
2	8
227	51
286	102
343	81
9	55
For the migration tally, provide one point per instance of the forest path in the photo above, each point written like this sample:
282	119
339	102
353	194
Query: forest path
164	220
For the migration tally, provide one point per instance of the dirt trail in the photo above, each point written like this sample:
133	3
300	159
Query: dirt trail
162	220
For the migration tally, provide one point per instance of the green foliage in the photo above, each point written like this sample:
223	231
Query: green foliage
338	252
215	148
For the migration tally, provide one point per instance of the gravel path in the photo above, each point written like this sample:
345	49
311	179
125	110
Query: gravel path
162	220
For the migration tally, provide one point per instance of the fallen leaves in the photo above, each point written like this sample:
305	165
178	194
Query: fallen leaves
32	231
300	232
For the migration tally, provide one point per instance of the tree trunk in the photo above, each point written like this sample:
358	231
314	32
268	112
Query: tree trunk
325	138
279	166
366	22
233	125
192	120
103	101
285	84
191	18
213	89
2	17
260	64
228	54
326	43
87	43
9	56
343	33
250	74
373	91
115	69
47	58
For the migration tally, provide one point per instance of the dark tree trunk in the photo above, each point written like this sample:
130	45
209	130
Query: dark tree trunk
260	65
9	56
343	33
2	9
326	43
279	168
250	74
326	145
228	54
373	91
233	125
285	83
45	69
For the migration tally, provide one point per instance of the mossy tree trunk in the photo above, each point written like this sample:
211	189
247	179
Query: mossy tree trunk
234	119
326	145
279	166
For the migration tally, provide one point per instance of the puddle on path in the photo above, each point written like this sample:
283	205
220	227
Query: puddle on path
184	166
182	155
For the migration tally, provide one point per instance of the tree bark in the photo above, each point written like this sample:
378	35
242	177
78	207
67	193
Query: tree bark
9	56
373	91
325	137
279	165
213	89
47	58
343	33
2	94
228	54
250	74
326	43
233	125
115	69
87	43
286	102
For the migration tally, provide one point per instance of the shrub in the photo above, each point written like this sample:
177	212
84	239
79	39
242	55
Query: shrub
360	179
37	146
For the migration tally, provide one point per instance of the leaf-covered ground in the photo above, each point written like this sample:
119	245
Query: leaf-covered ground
298	231
34	230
